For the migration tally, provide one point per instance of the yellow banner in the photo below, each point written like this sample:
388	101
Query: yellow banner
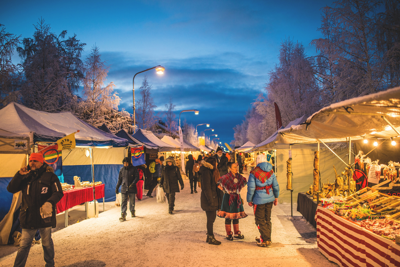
230	149
202	141
67	142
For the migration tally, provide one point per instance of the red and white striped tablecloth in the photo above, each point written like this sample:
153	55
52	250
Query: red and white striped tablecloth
348	244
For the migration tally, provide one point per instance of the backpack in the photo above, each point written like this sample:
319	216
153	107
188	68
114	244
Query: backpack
196	167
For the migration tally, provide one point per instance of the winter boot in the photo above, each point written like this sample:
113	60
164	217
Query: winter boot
133	214
229	234
238	234
264	244
123	217
208	238
212	240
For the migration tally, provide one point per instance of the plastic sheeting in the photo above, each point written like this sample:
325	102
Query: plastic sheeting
302	168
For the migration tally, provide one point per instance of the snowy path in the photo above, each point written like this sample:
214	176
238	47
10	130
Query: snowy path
155	238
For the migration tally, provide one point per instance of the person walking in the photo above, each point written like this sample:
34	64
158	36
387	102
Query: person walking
210	200
154	176
169	182
262	193
128	177
222	161
191	174
41	190
232	204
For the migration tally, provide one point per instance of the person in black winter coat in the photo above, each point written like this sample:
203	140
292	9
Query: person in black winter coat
169	181
128	177
41	190
222	161
210	197
190	173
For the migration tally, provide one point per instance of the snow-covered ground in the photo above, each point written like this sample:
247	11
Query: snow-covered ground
156	238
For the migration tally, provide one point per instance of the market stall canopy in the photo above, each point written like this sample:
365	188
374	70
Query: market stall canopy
244	148
134	142
49	127
149	139
271	141
171	141
204	148
187	146
372	116
12	143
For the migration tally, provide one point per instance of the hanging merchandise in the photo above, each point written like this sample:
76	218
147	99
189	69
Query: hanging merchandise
138	156
53	157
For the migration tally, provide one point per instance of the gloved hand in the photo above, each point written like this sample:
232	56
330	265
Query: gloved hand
251	204
116	191
46	210
181	187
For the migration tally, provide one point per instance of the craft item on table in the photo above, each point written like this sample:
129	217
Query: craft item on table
77	181
374	173
383	227
289	174
316	175
66	187
359	174
338	183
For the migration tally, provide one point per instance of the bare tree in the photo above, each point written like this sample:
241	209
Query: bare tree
145	107
170	116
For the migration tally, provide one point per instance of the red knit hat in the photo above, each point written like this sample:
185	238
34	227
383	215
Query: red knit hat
37	157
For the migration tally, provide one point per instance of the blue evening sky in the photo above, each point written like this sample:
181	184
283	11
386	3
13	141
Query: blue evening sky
217	53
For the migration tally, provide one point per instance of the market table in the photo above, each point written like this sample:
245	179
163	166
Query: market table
307	207
347	244
78	196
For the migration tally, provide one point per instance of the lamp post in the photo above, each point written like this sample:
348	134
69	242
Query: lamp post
212	130
216	135
207	124
196	112
159	70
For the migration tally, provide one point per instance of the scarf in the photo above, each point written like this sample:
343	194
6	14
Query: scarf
232	184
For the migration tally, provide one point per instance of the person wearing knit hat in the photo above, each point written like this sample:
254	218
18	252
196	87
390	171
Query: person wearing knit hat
41	190
169	182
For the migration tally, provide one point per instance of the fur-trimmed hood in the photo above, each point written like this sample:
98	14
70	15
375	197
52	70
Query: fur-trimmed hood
207	165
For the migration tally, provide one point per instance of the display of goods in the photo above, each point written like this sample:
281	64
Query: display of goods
387	228
66	187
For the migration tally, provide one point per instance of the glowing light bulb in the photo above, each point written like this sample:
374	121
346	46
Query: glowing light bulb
375	143
160	70
196	112
365	141
393	143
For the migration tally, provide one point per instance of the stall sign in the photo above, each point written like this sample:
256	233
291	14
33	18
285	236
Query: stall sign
21	144
138	156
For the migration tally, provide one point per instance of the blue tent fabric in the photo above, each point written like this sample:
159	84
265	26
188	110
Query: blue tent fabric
104	128
5	197
106	173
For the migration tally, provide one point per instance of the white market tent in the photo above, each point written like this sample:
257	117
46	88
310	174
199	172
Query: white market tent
187	146
204	148
246	147
148	138
20	123
362	117
171	141
302	156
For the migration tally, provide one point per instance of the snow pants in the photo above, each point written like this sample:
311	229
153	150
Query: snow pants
263	220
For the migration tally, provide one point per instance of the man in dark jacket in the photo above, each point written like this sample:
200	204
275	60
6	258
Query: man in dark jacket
128	177
169	181
222	161
41	190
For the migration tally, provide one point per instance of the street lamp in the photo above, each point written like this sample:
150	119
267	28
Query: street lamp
159	70
196	112
216	135
206	124
212	130
214	139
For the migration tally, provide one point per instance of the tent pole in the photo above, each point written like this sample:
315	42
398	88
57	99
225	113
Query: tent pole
93	180
332	151
348	177
291	190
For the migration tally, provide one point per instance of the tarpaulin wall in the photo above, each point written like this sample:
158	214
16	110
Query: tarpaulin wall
303	166
107	163
9	165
